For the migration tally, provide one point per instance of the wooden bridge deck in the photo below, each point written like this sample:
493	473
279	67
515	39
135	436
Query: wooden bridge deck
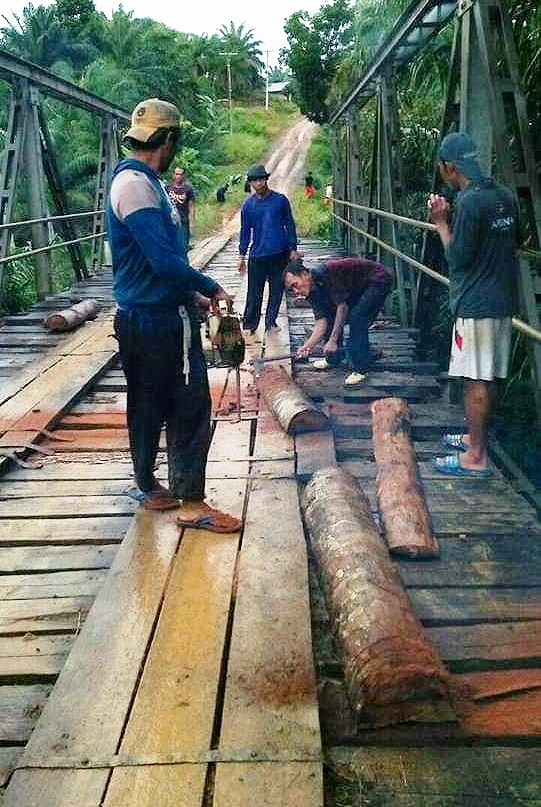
192	679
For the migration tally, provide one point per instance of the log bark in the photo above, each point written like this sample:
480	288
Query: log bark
295	412
70	318
392	673
407	525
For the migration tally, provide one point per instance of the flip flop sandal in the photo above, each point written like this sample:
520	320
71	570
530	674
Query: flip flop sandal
454	441
213	521
450	466
159	501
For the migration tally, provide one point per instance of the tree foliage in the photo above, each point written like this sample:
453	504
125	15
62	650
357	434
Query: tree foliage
316	46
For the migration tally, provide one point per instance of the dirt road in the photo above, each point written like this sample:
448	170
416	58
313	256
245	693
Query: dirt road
285	163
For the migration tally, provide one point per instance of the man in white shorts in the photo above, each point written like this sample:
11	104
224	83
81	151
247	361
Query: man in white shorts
480	247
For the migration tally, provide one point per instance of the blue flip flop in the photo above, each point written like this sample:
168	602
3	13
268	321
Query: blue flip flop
450	466
454	441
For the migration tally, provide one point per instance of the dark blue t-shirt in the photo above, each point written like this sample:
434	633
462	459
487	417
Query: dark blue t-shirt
483	264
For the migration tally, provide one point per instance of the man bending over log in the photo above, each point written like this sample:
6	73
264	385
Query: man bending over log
341	291
157	326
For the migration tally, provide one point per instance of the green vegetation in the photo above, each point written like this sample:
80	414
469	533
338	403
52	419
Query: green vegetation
312	216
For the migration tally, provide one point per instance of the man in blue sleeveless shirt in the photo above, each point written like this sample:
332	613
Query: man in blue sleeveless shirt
157	324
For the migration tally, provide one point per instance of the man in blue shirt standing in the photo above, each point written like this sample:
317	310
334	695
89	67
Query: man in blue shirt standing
268	230
157	325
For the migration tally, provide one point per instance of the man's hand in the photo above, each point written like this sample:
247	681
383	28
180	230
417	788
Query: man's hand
330	346
303	351
439	208
221	294
241	266
296	256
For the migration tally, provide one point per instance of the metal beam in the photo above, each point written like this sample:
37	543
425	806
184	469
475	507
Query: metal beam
13	68
416	26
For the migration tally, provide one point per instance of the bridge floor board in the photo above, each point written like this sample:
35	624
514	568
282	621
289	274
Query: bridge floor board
192	677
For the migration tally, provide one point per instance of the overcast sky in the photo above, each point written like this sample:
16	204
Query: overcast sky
265	17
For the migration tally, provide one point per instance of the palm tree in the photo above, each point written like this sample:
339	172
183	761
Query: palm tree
41	36
245	55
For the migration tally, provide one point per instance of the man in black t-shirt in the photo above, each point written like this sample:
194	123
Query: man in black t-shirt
182	196
480	246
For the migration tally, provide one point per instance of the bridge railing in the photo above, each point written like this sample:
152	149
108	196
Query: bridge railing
518	324
53	244
529	331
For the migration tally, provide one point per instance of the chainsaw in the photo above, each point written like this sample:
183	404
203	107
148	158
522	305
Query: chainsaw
224	332
227	346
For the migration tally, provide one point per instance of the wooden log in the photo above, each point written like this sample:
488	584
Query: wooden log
295	412
70	318
404	514
391	671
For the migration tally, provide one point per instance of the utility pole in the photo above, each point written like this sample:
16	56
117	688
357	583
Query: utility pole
228	54
267	82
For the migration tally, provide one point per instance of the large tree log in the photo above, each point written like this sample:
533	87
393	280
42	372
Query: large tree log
295	412
406	521
391	671
70	318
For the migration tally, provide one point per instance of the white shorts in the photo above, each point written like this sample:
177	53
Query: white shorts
480	348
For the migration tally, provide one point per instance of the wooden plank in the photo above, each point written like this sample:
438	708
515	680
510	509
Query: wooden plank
501	704
56	613
442	574
28	668
71	530
30	385
33	656
270	698
56	788
51	558
482	523
20	707
87	710
466	646
437	777
45	507
65	466
314	451
440	606
163	785
175	703
32	645
174	709
8	759
272	784
51	584
53	488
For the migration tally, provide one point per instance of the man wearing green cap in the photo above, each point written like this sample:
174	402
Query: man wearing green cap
268	231
157	325
480	246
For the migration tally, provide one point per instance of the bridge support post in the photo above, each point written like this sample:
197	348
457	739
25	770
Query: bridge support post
386	181
35	179
109	152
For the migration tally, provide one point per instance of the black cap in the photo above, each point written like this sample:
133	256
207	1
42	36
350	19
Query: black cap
257	172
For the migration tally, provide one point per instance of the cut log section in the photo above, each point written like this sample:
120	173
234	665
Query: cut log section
70	318
392	672
295	412
402	507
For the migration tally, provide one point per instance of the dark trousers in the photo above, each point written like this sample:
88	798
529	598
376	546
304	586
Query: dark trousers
260	271
360	316
151	356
